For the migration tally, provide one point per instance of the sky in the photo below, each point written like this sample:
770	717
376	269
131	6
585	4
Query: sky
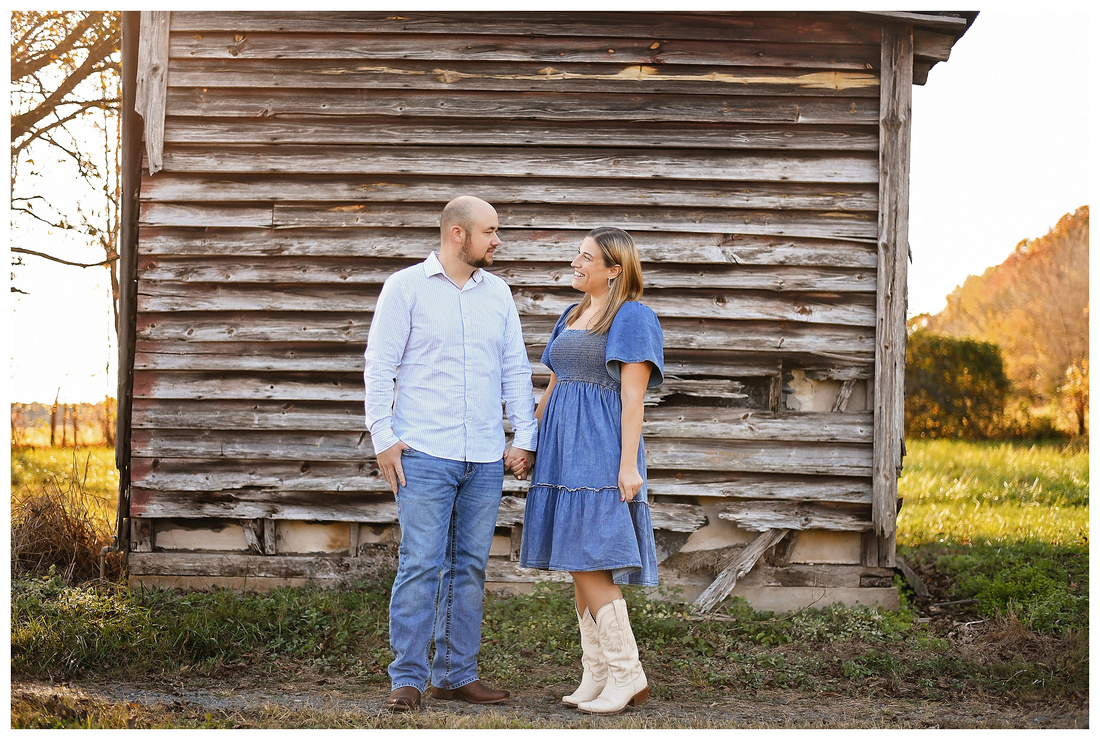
1000	151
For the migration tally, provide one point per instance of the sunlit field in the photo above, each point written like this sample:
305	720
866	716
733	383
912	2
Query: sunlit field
88	470
962	492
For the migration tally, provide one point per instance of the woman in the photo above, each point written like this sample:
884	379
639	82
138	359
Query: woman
586	509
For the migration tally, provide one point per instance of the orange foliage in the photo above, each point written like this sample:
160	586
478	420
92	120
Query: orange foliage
1034	306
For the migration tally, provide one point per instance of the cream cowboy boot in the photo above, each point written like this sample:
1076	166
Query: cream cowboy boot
626	681
595	667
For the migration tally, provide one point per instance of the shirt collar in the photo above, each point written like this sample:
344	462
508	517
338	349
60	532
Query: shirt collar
432	266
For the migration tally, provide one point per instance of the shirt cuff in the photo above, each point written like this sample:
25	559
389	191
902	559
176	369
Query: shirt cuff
383	438
526	439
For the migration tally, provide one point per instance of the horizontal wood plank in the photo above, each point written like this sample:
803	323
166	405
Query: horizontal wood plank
815	575
804	27
835	459
518	77
761	516
368	130
286	413
323	570
571	162
839	343
519	245
827	225
347	507
249	357
198	188
167	297
314	358
342	387
592	107
354	271
326	478
522	48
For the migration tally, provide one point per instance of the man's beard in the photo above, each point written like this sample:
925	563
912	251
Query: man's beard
464	254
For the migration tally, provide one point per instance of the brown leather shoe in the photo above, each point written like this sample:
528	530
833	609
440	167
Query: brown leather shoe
404	699
472	692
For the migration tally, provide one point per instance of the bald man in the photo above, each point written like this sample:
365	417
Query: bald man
448	334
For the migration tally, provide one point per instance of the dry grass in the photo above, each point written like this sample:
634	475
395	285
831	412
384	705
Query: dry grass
54	524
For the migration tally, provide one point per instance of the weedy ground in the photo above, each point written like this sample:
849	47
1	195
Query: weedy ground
1000	529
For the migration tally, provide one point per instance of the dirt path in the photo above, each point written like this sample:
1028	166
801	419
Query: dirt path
296	705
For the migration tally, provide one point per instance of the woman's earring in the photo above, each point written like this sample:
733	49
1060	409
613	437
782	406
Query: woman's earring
609	283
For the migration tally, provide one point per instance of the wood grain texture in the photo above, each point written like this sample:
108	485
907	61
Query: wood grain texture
849	345
889	385
581	163
478	105
152	82
316	128
717	591
527	48
760	516
354	189
167	297
778	27
402	247
366	272
391	74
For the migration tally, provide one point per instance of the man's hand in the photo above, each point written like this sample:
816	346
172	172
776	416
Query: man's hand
518	461
389	462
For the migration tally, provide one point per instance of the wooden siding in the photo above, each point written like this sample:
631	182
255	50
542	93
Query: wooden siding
307	156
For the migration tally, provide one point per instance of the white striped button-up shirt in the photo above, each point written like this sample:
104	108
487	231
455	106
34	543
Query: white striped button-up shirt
455	354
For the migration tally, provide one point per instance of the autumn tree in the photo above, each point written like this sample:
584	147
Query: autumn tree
1034	306
1075	393
65	91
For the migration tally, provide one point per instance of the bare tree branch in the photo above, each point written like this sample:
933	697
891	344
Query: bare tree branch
23	123
83	108
21	67
20	250
65	78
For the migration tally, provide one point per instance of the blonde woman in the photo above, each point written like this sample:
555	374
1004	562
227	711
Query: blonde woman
586	509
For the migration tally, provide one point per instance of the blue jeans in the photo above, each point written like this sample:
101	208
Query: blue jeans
447	511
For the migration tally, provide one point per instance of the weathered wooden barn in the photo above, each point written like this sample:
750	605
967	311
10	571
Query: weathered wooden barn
279	166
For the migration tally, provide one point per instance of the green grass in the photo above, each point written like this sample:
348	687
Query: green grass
1007	523
961	492
1004	524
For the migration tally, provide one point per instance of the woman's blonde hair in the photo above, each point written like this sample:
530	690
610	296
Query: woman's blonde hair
617	248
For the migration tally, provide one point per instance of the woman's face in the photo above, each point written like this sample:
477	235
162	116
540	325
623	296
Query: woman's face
590	274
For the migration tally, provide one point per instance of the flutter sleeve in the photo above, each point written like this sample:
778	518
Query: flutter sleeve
558	328
636	336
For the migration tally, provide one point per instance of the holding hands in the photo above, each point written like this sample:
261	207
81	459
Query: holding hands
518	462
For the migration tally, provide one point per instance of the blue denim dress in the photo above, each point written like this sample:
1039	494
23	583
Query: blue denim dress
574	520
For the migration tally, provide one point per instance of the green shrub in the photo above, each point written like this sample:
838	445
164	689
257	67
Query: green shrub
954	388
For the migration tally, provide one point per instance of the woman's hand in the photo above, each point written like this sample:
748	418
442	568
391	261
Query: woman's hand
630	482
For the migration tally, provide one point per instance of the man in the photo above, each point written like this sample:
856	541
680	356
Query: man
448	333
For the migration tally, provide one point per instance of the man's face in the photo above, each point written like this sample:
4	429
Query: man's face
481	239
